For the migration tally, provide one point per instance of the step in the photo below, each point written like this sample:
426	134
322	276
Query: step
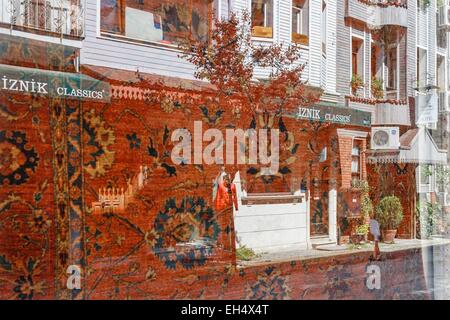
331	247
322	241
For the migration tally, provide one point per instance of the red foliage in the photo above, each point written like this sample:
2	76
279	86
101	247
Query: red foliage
228	62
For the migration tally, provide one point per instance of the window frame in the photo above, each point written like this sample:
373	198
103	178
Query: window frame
300	36
109	35
388	62
357	175
324	26
260	37
430	185
362	47
423	50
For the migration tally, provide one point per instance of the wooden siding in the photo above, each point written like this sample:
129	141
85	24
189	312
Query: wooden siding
411	35
125	55
315	43
331	47
343	51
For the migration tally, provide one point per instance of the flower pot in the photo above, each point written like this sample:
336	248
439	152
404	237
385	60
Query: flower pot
388	235
357	238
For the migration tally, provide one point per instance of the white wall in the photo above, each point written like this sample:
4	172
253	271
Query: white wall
100	51
271	227
122	54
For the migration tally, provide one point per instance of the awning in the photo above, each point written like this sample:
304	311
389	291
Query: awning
416	146
21	80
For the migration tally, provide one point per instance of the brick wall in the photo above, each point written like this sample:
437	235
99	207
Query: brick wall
345	153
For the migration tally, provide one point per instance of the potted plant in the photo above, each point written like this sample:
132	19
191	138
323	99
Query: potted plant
343	238
377	88
389	213
356	83
361	232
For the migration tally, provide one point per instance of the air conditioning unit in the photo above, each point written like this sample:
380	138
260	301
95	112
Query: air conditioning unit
387	138
444	17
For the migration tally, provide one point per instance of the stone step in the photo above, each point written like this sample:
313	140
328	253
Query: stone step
319	242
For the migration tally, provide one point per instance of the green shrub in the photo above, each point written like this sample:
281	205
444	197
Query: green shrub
245	254
389	213
362	229
377	88
356	83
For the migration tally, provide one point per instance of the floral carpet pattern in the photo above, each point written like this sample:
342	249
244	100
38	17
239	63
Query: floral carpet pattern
91	185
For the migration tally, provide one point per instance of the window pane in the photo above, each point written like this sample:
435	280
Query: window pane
355	166
296	20
156	21
357	56
392	68
262	18
300	22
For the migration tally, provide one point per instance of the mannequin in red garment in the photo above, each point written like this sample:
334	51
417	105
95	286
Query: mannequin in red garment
226	194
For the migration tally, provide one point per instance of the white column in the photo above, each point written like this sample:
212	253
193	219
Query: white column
332	215
308	220
239	193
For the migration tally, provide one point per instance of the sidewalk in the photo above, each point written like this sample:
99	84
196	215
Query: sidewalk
286	256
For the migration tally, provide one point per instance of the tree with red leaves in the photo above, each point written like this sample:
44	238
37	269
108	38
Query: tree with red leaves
228	61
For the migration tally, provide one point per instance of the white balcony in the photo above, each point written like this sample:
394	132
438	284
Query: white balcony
56	18
379	13
384	112
392	113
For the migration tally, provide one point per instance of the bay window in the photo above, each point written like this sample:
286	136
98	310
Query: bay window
262	18
300	21
166	21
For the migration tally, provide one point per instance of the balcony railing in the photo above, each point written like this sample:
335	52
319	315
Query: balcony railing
384	111
59	18
379	13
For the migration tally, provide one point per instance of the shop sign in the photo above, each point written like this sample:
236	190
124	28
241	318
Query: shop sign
52	84
334	114
427	109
